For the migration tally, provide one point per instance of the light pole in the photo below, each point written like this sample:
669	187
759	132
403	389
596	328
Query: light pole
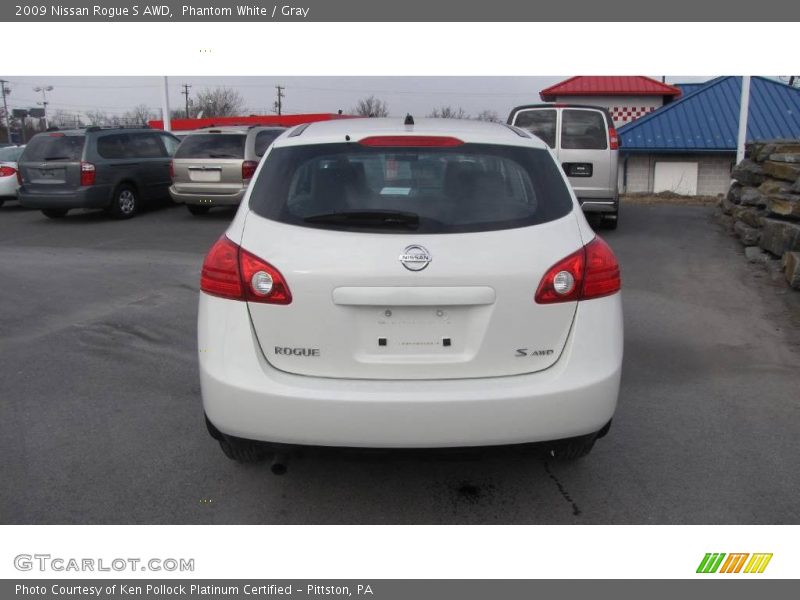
44	89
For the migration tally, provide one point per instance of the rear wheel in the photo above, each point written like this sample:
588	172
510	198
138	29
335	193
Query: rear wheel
572	449
55	213
238	449
610	221
197	210
243	451
125	202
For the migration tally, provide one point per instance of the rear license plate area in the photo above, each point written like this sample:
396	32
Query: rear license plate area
415	329
204	175
578	169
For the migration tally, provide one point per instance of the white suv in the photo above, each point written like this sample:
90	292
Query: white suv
395	284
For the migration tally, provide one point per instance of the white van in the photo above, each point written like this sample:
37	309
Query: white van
585	142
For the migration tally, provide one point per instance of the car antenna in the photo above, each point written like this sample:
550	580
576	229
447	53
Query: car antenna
409	120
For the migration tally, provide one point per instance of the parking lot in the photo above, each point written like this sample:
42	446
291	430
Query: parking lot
101	417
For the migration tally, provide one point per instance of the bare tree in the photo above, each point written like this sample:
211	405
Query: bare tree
488	115
220	102
448	112
63	119
138	115
370	107
98	117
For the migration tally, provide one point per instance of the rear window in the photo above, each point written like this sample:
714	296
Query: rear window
212	145
474	187
49	147
583	130
540	122
265	138
10	154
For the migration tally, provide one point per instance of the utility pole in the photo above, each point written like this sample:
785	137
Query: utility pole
186	87
165	104
6	91
278	103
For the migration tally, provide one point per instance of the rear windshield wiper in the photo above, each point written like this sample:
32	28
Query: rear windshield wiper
368	218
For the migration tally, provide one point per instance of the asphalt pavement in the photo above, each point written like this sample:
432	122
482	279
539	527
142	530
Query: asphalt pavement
100	416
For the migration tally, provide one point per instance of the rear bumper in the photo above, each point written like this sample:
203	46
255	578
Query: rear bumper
208	198
599	205
8	188
96	196
244	396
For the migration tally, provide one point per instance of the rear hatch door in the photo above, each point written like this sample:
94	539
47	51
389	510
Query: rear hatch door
358	312
209	163
52	162
411	263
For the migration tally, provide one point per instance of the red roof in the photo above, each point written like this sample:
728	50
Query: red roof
634	85
281	120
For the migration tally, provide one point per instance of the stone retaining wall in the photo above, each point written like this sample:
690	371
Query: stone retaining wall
762	207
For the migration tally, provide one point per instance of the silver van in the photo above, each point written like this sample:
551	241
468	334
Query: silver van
586	145
213	167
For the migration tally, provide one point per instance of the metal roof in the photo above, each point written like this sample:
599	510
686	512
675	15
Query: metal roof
636	85
707	120
689	88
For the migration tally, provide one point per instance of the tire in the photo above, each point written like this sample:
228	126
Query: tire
610	221
125	203
55	213
2	202
197	210
572	449
243	451
240	450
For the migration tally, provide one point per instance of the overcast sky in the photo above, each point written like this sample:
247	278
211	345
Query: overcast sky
415	95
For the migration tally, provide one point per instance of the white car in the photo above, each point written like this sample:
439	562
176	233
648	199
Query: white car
8	172
394	284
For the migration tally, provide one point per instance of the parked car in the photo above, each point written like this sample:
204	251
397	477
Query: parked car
585	142
391	284
213	167
116	169
9	155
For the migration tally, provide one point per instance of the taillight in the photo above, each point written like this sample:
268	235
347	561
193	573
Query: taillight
414	141
88	173
172	169
7	171
19	177
234	273
613	139
591	272
249	169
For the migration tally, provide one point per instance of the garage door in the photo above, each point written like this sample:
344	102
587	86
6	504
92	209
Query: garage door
676	177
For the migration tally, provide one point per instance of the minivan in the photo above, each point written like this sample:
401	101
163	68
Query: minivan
388	283
113	168
585	142
213	167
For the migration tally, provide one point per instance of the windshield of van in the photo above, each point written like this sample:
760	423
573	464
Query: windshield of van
472	187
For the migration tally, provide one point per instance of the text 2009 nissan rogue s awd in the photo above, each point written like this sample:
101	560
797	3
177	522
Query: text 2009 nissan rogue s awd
395	284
